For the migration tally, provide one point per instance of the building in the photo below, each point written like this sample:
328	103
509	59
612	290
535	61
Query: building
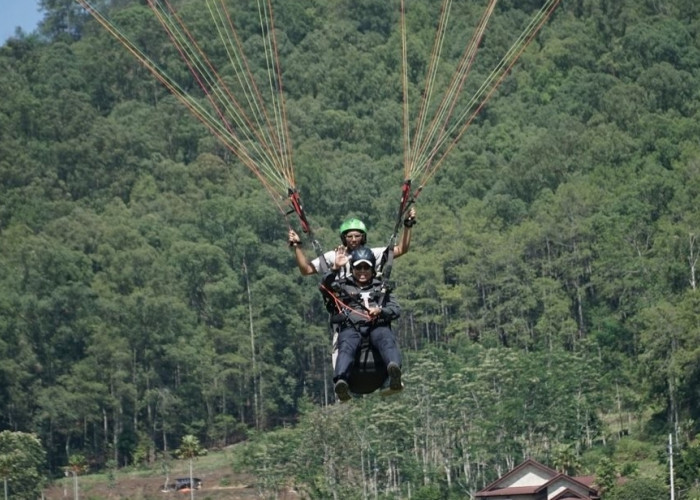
533	481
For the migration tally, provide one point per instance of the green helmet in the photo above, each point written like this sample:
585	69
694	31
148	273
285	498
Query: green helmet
353	225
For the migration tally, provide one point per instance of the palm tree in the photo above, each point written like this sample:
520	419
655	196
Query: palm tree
77	464
190	449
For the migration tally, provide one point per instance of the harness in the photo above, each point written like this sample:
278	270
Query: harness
346	304
369	372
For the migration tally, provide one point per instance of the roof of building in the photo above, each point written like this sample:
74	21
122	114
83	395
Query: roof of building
574	487
524	465
513	490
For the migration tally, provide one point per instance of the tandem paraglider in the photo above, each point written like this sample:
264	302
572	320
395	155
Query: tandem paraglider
252	125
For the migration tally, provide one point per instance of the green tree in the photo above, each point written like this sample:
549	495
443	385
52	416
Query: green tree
22	462
640	488
190	449
606	476
687	469
77	464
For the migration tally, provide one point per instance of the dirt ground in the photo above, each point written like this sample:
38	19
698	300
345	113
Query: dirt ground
237	487
219	482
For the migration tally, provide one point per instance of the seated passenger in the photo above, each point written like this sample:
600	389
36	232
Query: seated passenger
367	347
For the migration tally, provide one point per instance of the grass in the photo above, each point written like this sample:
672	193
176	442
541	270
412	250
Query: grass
220	481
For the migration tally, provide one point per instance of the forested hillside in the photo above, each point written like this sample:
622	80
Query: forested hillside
550	302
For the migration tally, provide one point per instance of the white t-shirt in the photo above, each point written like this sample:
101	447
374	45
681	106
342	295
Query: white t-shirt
345	271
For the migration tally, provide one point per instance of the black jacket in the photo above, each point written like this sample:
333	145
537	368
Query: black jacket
348	303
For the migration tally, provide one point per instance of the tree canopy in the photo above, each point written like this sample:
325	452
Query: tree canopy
549	296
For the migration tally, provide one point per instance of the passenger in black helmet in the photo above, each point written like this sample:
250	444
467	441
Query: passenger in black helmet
363	310
353	234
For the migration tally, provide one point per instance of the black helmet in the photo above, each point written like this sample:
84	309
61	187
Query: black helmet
362	254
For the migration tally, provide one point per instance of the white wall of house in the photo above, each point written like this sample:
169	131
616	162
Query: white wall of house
525	477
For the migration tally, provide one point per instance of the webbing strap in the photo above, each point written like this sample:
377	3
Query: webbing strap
404	204
297	207
342	306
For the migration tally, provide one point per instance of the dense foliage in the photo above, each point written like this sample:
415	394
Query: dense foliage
22	463
550	295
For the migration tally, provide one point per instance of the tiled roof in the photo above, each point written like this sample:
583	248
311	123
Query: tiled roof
565	478
587	480
513	490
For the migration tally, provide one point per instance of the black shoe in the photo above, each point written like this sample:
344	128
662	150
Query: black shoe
342	390
394	377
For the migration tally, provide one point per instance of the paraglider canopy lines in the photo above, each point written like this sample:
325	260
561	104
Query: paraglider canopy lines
432	140
253	129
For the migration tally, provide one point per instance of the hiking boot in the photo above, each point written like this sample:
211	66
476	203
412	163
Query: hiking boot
342	390
388	391
394	371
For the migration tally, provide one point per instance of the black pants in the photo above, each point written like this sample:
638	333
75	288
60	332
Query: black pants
349	339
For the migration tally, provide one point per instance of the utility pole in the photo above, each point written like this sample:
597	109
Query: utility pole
670	462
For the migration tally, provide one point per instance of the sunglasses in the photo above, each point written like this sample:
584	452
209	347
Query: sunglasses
363	267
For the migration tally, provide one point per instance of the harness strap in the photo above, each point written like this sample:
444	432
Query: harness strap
365	348
306	227
388	257
342	307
